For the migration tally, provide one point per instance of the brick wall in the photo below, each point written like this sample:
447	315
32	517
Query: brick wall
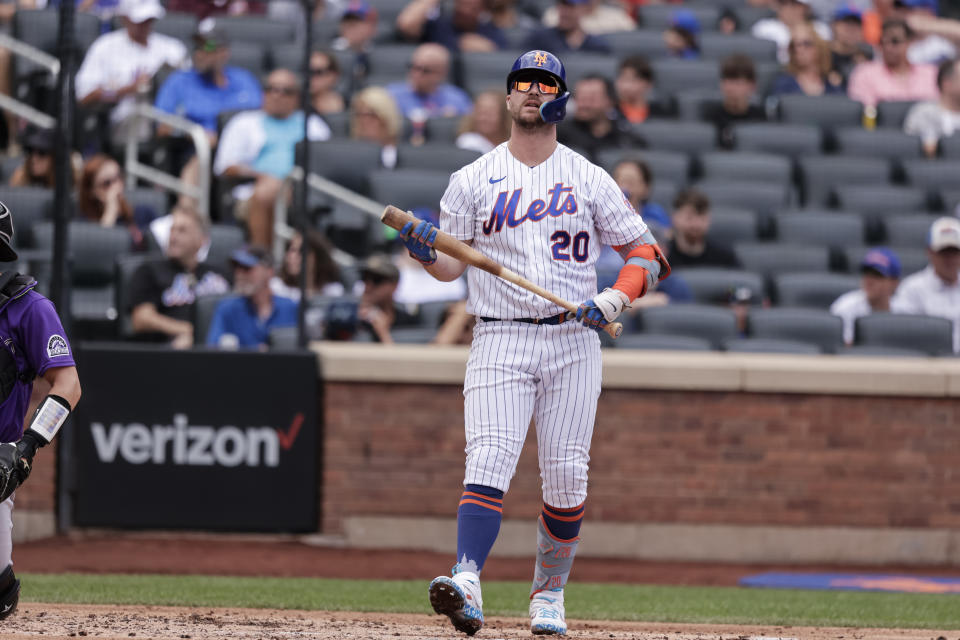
691	457
39	492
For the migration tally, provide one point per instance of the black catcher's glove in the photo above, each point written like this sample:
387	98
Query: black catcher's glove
16	460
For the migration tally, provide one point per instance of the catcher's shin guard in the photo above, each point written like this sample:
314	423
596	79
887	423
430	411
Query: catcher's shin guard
9	592
554	560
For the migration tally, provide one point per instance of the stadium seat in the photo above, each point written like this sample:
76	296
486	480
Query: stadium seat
663	193
711	323
729	225
250	56
770	258
409	189
950	147
718	46
40	28
876	351
748	15
912	259
771	345
282	338
480	71
879	143
820	175
932	175
754	195
932	335
224	240
435	156
154	199
880	199
950	199
659	16
908	230
813	326
203	310
692	103
661	342
827	112
673	74
443	129
588	63
339	124
645	42
680	136
125	265
819	228
257	29
784	139
181	26
712	285
29	205
817	290
893	113
390	62
413	335
346	162
664	165
745	166
287	56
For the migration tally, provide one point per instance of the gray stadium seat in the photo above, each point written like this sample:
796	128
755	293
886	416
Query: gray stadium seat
912	259
756	196
876	351
950	199
879	199
827	112
771	345
413	335
250	56
257	29
692	103
661	342
950	147
658	16
480	71
908	230
150	198
819	228
711	323
892	114
745	165
805	325
770	258
932	175
673	74
784	139
181	26
816	289
434	155
389	63
645	42
664	165
282	338
681	136
820	175
29	206
663	193
712	285
203	311
749	15
718	46
443	129
409	189
879	143
729	225
587	63
224	240
933	336
346	162
39	28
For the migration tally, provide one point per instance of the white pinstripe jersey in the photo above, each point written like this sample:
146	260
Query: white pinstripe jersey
546	223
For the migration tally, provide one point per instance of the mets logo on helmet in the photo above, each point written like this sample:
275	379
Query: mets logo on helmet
540	58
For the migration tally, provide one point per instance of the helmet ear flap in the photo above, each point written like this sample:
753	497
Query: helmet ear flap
554	111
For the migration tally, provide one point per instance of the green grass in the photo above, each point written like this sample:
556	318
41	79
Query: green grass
594	601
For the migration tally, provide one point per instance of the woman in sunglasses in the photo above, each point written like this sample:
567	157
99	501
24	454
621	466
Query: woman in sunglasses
808	71
37	169
101	199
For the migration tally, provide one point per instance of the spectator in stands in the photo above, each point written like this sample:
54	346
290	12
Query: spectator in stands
610	263
880	275
162	295
808	71
790	13
426	92
505	15
358	26
595	125
100	199
245	319
37	169
324	77
634	177
323	274
848	48
633	85
467	28
893	77
568	34
728	23
456	325
600	18
202	93
690	246
930	46
258	146
374	117
936	119
935	291
487	125
681	37
376	313
738	84
119	66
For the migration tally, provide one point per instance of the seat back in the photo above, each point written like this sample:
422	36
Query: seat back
816	290
932	335
714	324
711	285
813	326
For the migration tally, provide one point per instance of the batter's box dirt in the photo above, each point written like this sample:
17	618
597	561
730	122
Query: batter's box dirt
34	620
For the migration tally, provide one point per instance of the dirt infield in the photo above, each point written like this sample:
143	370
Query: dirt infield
174	623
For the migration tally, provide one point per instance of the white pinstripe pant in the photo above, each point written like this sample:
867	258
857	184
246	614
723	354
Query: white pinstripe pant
518	372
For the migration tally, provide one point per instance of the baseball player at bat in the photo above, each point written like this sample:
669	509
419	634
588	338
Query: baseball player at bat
34	345
541	210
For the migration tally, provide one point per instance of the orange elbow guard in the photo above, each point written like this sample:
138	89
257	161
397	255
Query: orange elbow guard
635	277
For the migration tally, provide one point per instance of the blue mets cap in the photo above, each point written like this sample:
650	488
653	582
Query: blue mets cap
686	20
847	12
883	261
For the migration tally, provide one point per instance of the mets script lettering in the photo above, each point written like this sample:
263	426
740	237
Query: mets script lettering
561	201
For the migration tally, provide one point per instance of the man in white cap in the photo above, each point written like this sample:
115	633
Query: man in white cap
935	291
121	64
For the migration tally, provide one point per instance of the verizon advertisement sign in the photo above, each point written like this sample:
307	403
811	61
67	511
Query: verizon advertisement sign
200	440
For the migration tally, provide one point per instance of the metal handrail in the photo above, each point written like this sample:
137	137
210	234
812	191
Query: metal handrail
30	52
25	111
136	169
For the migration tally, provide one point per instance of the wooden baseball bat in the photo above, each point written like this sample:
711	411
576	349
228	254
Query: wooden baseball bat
396	218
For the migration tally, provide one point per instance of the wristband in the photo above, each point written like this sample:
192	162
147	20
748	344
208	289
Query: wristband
49	417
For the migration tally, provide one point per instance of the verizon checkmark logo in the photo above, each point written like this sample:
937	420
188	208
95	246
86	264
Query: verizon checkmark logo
287	438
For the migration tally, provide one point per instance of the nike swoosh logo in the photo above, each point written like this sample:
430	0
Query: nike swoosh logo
549	566
492	181
7	608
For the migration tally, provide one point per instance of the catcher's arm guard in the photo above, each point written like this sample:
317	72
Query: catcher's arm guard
16	458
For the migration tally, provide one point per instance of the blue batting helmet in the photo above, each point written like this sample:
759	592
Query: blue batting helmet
554	110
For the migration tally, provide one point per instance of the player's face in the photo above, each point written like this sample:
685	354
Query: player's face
524	103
